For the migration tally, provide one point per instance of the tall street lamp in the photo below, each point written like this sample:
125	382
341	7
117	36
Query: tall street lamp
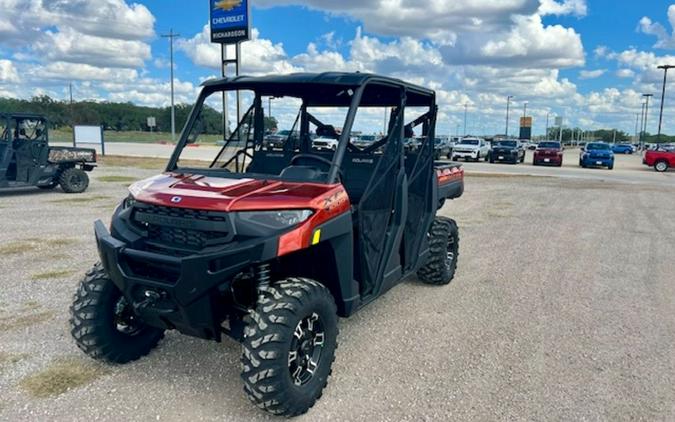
466	111
647	97
665	68
508	108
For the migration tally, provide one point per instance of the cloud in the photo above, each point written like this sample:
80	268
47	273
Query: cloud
567	7
625	73
8	72
665	40
592	74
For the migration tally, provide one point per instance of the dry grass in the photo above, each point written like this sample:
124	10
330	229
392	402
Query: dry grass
60	242
9	359
54	274
115	179
19	322
16	248
61	377
80	199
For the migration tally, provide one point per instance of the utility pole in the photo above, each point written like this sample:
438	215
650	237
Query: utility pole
642	123
663	94
647	96
466	111
72	115
548	114
637	119
508	107
171	36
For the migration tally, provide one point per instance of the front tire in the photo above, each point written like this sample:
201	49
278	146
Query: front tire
289	346
74	180
103	324
443	253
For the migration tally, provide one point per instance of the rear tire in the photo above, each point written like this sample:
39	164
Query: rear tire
289	346
443	253
104	326
74	180
661	166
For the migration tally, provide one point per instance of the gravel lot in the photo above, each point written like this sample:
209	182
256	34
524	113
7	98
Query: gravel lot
562	309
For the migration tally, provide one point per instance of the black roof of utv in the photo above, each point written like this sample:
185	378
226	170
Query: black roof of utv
22	116
329	89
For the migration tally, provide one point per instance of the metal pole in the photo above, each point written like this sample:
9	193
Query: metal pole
637	119
238	66
663	95
648	96
171	36
547	116
642	124
561	132
525	109
508	106
223	66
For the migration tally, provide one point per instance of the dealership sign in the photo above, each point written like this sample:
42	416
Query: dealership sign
230	21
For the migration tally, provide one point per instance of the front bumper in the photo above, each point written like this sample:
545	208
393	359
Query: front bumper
509	156
465	154
179	293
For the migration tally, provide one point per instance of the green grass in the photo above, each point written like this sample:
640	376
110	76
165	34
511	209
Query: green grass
66	135
157	164
54	274
61	377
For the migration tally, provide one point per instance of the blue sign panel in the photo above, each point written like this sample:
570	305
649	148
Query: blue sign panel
230	22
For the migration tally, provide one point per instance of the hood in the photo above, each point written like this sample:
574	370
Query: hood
222	194
548	150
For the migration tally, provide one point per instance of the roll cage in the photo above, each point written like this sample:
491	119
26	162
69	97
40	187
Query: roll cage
352	90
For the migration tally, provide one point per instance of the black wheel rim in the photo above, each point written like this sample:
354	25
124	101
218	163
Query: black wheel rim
124	319
304	356
76	181
450	255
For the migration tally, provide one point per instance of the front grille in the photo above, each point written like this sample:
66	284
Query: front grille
183	228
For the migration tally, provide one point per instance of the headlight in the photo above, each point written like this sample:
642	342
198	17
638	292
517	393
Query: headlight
276	220
128	202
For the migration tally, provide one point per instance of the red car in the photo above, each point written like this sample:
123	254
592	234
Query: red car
548	153
661	159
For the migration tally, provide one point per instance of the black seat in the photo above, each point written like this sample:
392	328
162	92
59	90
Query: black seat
302	173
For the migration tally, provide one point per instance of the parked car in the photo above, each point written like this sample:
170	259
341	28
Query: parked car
597	154
548	153
471	148
325	144
364	141
271	258
623	149
531	146
442	148
511	151
27	159
661	158
279	139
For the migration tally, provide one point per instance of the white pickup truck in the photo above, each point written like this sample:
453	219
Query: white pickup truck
471	149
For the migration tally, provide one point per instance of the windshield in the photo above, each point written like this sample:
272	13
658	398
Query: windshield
601	147
510	144
470	142
553	145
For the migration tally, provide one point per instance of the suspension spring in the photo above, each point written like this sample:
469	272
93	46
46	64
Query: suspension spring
262	273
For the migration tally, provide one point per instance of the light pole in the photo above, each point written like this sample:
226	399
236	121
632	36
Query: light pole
637	119
642	123
647	97
508	107
548	114
665	68
171	35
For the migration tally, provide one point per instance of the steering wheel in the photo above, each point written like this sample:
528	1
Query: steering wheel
316	158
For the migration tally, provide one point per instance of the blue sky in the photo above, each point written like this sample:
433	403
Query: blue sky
588	60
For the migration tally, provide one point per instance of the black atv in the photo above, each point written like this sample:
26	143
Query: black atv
269	247
26	159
